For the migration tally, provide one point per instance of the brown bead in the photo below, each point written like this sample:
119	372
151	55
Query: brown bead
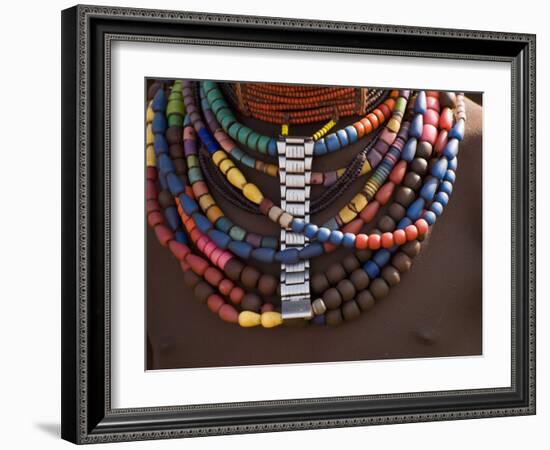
419	165
379	288
176	151
174	135
334	317
402	262
335	273
153	89
181	168
360	279
319	283
396	211
447	99
391	275
251	302
190	278
267	285
363	255
386	223
250	277
413	180
411	248
233	269
165	199
365	300
332	298
424	150
350	263
346	289
202	291
350	310
404	196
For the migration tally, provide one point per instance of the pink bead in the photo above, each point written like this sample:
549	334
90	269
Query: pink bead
440	142
432	103
398	172
384	193
188	133
369	212
209	249
201	243
429	134
353	227
434	94
431	117
216	255
387	136
446	119
224	259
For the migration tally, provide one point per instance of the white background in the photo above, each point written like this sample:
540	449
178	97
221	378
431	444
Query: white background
30	243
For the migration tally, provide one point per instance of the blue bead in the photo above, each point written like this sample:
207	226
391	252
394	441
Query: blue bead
450	176
311	230
457	131
175	184
161	144
451	149
162	181
439	168
202	222
409	150
420	105
311	251
453	164
437	208
318	320
414	211
224	224
442	198
297	225
272	147
342	137
222	240
332	142
172	217
404	223
446	187
181	237
288	256
159	101
165	164
188	204
266	255
416	126
348	240
320	147
428	189
159	123
430	217
382	257
352	133
336	237
372	269
323	234
242	249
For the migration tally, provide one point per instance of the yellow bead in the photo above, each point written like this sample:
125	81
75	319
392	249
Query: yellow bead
366	168
150	137
249	319
214	213
340	172
206	201
393	125
236	178
272	170
218	157
271	319
150	156
346	214
359	202
225	165
150	114
252	193
284	130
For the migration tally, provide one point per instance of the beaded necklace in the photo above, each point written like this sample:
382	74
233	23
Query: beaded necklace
433	192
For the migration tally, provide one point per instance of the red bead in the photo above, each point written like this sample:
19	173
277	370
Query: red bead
384	193
225	286
431	117
213	276
361	241
178	249
236	295
412	232
399	237
155	218
369	212
267	307
198	264
214	303
398	172
151	173
446	119
228	314
353	227
440	142
164	234
151	191
432	103
152	205
329	247
422	226
387	240
384	109
429	133
374	241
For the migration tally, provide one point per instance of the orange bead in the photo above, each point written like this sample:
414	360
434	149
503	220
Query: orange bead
412	232
399	237
422	226
387	240
366	124
374	120
374	241
379	115
360	128
361	241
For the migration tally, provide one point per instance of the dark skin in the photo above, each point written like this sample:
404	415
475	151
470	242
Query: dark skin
434	311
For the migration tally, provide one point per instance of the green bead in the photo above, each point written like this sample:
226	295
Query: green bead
226	120
243	134
175	107
194	174
192	161
248	161
175	120
262	144
400	105
234	129
252	140
237	233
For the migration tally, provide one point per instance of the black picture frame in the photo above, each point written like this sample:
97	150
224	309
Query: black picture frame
87	415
